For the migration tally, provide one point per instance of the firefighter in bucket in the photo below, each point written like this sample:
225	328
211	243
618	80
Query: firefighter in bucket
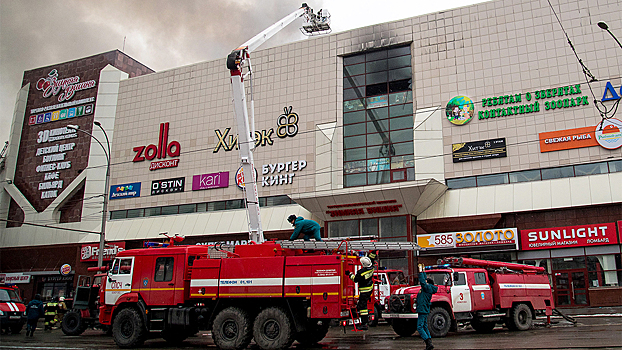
365	279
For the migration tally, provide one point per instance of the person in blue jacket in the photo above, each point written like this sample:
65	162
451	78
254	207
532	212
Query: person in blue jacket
34	310
309	228
424	301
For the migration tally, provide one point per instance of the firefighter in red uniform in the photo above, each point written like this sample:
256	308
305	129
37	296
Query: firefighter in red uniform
365	279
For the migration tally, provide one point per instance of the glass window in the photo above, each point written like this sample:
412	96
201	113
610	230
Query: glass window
401	110
493	179
377	101
400	97
214	206
378	125
187	208
461	183
615	166
353	129
354	141
171	209
355	167
201	207
125	267
118	214
350	82
355	69
401	85
603	270
401	135
377	114
278	200
398	62
355	180
350	94
376	66
376	178
402	122
591	169
480	278
354	117
369	227
524	176
355	154
401	73
461	280
377	55
153	211
353	105
373	140
393	227
234	204
163	269
577	262
374	78
353	59
135	213
400	51
346	228
557	173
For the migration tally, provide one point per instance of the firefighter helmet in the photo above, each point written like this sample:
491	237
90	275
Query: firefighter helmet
365	261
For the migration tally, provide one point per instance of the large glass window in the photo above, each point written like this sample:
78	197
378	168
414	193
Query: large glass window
378	117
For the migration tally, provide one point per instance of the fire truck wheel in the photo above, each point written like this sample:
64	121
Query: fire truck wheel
273	329
232	329
520	318
439	322
482	327
377	315
128	329
315	332
72	323
404	327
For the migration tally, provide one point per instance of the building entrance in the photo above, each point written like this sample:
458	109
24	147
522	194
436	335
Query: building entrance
571	287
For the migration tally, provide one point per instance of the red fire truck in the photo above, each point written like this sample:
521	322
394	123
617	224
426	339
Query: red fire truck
12	309
263	291
482	293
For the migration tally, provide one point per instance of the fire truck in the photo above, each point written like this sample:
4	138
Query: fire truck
273	292
482	293
12	309
387	281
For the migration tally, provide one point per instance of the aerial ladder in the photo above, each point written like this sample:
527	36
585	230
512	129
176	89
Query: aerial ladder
239	59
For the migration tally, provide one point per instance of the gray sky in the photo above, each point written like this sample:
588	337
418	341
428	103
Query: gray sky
162	34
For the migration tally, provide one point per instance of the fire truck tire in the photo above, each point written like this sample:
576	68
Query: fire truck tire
482	327
273	329
232	329
313	334
73	324
521	318
128	329
377	315
439	322
404	327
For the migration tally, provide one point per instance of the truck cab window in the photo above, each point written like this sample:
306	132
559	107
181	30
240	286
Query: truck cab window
461	280
480	278
163	269
125	267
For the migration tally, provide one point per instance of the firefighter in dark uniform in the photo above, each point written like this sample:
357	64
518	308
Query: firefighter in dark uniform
365	279
424	301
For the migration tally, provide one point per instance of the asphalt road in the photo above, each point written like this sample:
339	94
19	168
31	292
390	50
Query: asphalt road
593	332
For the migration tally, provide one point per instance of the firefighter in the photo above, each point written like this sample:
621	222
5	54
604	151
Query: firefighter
61	310
365	279
50	313
309	228
424	301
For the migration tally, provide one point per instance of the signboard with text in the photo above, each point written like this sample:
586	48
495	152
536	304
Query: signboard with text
465	239
209	181
125	191
478	150
569	236
90	252
168	186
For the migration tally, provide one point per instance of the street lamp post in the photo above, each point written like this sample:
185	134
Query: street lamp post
604	26
102	235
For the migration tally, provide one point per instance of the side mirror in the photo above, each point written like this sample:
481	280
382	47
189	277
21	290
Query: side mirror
456	276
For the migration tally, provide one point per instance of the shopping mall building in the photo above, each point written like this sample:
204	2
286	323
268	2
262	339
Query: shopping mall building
472	131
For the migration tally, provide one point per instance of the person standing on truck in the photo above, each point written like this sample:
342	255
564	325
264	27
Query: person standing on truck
309	228
365	279
424	301
34	310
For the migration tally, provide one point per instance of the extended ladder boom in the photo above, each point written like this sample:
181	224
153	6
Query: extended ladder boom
349	245
491	264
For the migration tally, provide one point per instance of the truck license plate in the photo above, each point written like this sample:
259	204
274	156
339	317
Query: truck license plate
14	317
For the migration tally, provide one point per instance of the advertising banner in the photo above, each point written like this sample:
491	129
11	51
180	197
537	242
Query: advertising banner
465	239
90	252
567	139
125	191
14	278
569	236
478	150
209	181
168	186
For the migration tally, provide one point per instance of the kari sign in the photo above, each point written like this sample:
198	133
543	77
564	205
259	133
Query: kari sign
209	181
469	238
125	191
569	236
90	252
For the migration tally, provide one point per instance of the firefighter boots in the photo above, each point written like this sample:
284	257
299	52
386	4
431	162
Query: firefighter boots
428	344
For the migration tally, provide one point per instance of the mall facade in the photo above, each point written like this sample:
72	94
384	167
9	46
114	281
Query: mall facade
472	131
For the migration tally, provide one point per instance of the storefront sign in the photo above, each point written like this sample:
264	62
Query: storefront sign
209	181
167	186
374	207
239	178
286	126
478	150
238	242
90	252
465	239
14	278
460	110
609	90
65	269
164	148
608	133
569	236
125	191
567	139
51	86
283	172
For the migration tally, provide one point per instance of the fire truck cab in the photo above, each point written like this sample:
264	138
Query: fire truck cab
12	309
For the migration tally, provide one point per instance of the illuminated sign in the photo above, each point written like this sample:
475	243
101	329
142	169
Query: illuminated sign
460	110
125	191
466	239
164	148
239	178
478	150
167	186
90	252
569	236
14	278
209	181
283	172
65	269
286	126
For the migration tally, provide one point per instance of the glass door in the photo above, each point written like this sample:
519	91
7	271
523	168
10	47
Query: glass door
571	288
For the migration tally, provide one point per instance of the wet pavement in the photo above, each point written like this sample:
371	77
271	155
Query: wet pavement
596	328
